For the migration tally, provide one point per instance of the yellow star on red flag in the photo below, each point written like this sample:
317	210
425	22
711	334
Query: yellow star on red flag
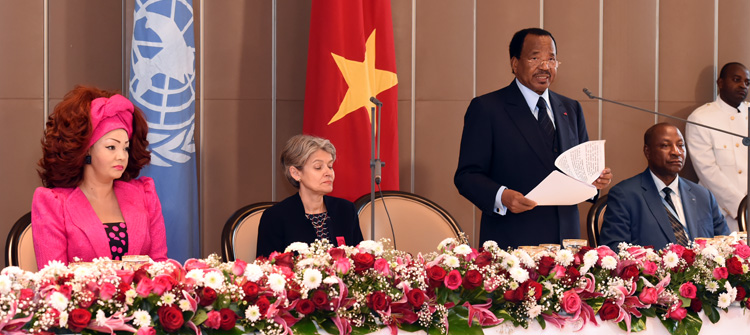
363	79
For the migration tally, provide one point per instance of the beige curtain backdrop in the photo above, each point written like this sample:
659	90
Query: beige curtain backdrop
656	54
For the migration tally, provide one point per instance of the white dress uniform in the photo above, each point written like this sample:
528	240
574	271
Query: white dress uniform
719	159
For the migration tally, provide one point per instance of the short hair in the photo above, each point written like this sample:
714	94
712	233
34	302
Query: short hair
67	135
725	68
298	149
649	134
516	43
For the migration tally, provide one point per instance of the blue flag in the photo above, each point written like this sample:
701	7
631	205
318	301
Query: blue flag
162	85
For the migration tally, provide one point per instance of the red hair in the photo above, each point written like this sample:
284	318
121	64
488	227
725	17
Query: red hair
66	138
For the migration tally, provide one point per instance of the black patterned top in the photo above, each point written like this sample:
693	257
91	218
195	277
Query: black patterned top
118	239
320	223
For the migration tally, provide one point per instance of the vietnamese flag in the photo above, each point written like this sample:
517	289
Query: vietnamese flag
350	59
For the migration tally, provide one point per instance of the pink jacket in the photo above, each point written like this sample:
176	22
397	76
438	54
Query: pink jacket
64	224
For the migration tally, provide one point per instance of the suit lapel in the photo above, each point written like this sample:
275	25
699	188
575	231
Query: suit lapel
562	122
690	208
655	205
82	215
135	216
519	113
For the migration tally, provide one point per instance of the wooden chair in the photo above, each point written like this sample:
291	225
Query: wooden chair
419	224
742	215
19	247
594	220
239	238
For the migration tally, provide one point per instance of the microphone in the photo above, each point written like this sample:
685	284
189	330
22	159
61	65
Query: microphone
376	101
378	170
586	90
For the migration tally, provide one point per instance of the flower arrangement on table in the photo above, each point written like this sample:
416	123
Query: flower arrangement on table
360	289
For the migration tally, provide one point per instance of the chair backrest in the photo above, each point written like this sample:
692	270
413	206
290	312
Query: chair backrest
594	220
742	215
19	247
239	239
419	224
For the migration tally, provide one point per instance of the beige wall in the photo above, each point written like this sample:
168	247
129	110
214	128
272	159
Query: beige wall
653	54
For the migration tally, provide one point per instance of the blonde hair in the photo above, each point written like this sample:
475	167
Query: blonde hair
298	149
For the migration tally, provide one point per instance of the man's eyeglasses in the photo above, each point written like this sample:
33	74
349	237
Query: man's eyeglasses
535	62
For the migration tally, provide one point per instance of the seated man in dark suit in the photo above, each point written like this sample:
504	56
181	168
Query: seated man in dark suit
658	207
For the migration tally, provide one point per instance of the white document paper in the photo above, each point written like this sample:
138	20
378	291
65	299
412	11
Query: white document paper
581	165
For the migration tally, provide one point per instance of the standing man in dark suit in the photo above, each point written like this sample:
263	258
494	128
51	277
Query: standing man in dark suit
510	140
657	206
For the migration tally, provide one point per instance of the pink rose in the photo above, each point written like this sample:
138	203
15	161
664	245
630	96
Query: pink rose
144	287
106	291
649	268
676	312
677	249
146	331
571	302
239	267
604	251
382	267
213	320
637	252
721	273
688	290
342	265
162	283
193	263
701	243
648	295
742	250
453	280
559	271
126	276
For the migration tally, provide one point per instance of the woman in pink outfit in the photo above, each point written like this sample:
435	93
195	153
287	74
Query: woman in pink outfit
92	204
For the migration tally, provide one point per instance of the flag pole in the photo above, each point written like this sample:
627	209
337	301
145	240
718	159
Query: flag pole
372	173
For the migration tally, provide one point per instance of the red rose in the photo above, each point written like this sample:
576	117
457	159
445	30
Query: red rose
529	285
378	301
545	265
27	294
78	319
286	259
688	290
305	306
86	298
207	296
483	259
609	311
472	279
436	275
571	276
293	295
676	312
696	305
720	273
415	297
251	291
363	261
629	272
320	299
740	293
453	279
170	318
139	275
510	295
228	319
734	266
689	256
263	305
121	290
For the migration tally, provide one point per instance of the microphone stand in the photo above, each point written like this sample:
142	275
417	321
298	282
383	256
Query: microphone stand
375	163
745	139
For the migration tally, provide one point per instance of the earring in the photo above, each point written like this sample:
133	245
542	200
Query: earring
88	159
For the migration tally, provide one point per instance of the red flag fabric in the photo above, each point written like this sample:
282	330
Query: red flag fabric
350	59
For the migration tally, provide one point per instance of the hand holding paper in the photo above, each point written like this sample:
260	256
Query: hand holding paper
581	165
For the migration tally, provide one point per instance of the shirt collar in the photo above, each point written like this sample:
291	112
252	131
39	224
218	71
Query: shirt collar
532	97
729	109
674	186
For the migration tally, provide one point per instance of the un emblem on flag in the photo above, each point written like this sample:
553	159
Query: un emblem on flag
162	77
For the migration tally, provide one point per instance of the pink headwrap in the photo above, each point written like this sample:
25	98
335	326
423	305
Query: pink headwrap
108	114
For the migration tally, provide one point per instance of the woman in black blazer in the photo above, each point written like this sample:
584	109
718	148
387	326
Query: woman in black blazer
310	214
